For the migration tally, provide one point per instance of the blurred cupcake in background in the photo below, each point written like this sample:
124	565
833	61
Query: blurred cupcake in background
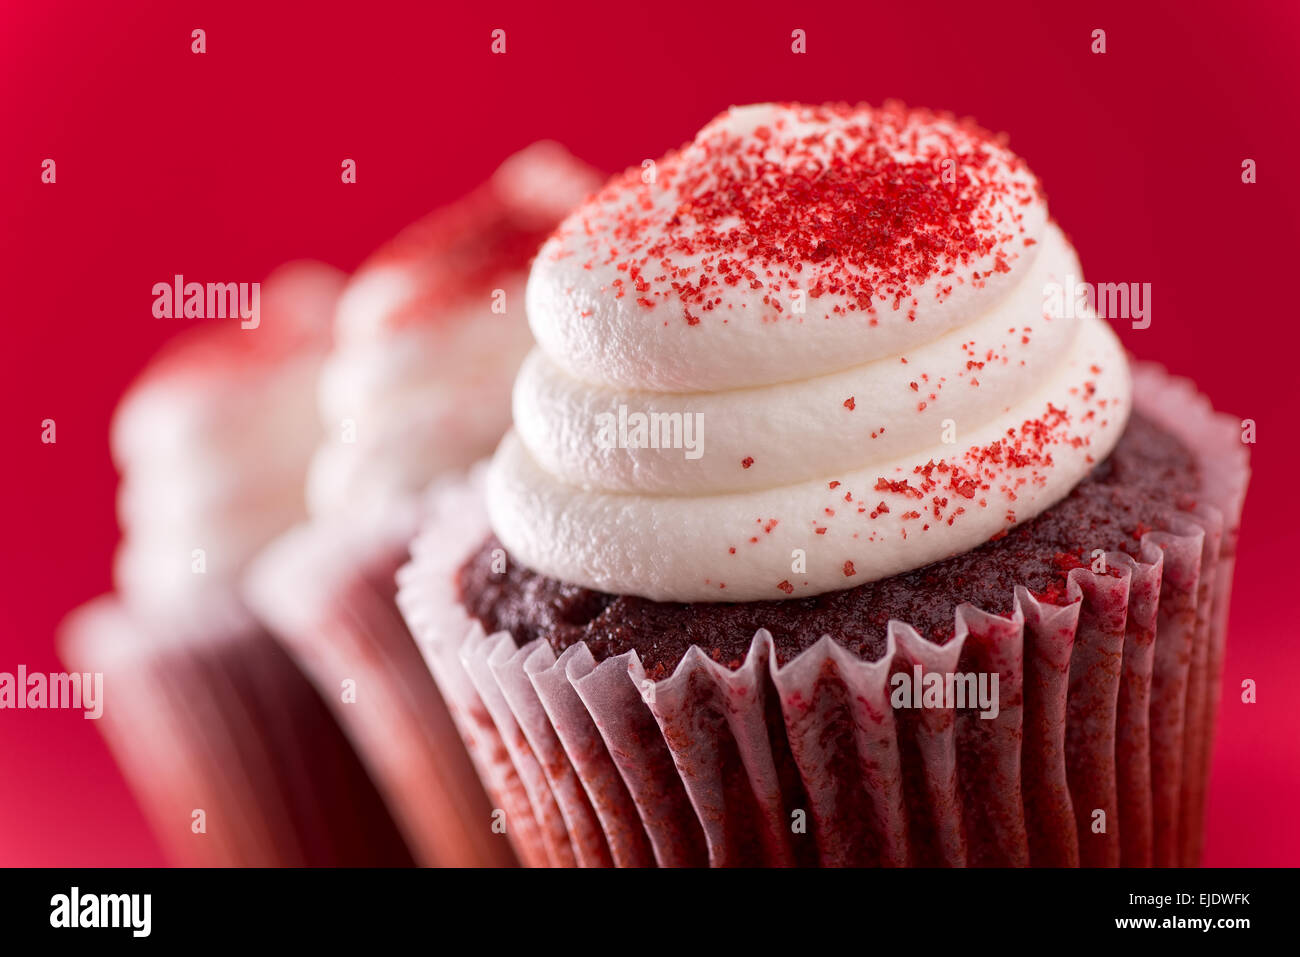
230	750
823	537
213	439
428	337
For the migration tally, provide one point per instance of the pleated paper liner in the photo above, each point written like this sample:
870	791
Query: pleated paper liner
328	592
209	713
1098	756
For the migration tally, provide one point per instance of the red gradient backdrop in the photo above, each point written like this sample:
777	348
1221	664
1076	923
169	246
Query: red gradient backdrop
225	164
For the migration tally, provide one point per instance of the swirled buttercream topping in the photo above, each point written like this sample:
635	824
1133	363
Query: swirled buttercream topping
213	440
810	349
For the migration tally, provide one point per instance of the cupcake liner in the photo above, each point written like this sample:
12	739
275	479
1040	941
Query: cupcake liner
478	729
1098	754
327	591
208	713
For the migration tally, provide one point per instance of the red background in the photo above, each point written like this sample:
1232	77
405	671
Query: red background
228	163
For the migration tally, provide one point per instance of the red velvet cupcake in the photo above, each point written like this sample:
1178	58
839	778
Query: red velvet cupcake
428	336
835	527
232	754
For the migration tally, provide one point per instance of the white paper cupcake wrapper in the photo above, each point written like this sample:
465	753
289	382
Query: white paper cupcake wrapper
210	714
1106	705
327	591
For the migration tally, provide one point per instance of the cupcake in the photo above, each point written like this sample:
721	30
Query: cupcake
429	334
834	528
232	754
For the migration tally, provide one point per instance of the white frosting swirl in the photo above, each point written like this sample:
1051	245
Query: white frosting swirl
213	442
921	403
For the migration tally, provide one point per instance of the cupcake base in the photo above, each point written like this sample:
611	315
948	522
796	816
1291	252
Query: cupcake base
209	714
1098	754
327	591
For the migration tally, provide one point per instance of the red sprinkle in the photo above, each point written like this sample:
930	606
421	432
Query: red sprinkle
839	200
